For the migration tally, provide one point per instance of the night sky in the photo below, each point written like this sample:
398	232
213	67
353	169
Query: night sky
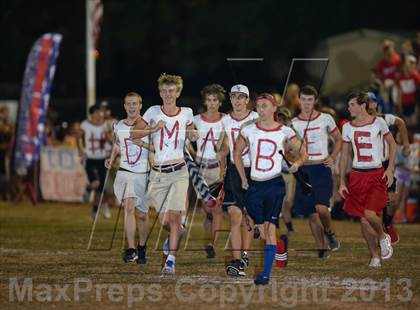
141	39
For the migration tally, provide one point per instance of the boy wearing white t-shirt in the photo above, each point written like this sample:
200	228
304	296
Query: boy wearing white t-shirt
266	139
366	192
169	176
315	128
130	183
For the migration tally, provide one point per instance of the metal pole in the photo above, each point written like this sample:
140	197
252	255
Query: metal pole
90	59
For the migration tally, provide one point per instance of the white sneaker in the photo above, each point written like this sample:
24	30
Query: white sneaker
165	247
375	262
169	267
106	211
386	247
183	230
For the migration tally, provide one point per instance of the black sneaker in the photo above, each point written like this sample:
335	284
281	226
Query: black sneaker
130	256
333	243
245	259
211	253
235	269
256	232
141	253
323	253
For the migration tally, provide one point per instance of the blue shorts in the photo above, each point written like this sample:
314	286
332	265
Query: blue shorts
264	200
234	193
320	177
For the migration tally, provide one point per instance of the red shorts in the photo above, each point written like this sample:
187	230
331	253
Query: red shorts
367	191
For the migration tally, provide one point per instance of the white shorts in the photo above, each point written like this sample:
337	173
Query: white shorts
132	185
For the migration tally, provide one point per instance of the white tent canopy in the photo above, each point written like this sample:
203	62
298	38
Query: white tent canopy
352	55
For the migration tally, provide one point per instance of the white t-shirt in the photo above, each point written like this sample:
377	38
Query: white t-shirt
264	146
95	140
209	132
315	134
133	157
366	141
232	127
169	141
390	121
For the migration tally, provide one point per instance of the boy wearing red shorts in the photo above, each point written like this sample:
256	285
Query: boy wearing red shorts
366	192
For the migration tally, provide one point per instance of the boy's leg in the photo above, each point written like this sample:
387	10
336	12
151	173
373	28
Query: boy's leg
269	253
324	216
371	237
142	226
217	222
130	254
375	222
317	230
235	217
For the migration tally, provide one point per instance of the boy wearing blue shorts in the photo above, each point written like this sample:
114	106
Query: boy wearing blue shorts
315	128
265	189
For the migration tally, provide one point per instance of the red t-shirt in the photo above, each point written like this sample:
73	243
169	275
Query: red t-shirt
408	84
386	69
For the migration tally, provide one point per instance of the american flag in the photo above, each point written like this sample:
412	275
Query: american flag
96	13
35	96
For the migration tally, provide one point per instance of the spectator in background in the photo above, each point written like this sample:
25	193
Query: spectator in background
406	50
50	136
6	141
291	99
386	69
408	81
73	132
403	169
389	64
416	49
377	87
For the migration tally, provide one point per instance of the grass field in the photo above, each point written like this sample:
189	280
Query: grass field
47	244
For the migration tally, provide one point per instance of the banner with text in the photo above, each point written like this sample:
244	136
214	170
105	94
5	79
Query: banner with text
62	177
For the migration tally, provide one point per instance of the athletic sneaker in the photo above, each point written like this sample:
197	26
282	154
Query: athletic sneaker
261	280
256	232
169	267
235	269
141	253
375	262
386	247
323	253
106	212
183	230
130	256
211	253
165	247
333	243
245	259
390	230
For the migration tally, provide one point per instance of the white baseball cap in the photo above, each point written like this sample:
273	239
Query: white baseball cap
239	88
